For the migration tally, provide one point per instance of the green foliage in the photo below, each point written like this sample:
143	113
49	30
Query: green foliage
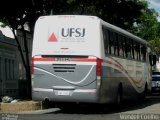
155	46
112	11
147	26
70	1
131	15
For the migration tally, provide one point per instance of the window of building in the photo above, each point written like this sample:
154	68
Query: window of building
9	67
6	68
13	70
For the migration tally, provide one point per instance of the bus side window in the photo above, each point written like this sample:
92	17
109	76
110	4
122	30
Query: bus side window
116	45
124	46
106	39
111	42
138	51
132	49
135	51
143	53
121	48
128	47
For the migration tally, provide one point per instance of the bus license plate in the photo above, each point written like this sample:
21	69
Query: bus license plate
62	92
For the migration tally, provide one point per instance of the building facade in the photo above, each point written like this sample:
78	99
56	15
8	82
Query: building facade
12	72
8	66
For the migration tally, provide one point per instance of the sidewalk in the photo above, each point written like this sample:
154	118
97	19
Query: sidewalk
20	106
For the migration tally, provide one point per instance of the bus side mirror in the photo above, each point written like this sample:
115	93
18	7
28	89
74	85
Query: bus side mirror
152	60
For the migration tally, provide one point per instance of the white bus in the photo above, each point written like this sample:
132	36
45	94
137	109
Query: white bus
83	59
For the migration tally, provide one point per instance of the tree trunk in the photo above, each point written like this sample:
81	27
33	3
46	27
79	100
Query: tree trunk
25	63
28	66
19	48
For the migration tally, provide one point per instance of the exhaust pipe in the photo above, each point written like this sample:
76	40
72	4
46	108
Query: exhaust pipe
45	103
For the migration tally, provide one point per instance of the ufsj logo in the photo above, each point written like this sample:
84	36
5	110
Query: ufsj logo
67	33
73	32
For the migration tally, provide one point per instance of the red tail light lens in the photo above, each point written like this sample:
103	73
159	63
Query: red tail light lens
99	67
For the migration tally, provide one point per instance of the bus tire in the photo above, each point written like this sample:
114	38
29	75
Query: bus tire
145	92
119	95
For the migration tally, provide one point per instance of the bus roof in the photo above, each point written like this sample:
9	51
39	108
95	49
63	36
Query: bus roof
124	32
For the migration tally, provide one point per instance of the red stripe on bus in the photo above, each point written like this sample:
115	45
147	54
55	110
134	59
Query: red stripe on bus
72	60
43	59
84	60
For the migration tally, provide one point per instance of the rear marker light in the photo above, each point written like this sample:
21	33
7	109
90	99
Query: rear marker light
99	67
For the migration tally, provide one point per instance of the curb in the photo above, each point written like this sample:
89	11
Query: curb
20	106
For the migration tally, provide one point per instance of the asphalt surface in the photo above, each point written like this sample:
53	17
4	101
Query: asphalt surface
148	109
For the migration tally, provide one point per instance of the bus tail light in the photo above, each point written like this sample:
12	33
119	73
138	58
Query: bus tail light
99	68
99	72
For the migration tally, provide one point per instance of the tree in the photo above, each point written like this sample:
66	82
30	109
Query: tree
112	11
148	28
16	18
154	44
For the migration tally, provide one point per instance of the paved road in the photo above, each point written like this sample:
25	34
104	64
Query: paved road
146	110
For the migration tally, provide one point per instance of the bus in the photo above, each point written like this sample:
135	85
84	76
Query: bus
83	59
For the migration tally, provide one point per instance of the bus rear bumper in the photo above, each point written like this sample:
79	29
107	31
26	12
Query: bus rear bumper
78	95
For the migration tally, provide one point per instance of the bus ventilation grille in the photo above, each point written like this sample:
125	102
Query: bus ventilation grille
64	67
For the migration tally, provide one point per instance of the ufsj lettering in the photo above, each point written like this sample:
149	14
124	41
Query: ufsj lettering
73	32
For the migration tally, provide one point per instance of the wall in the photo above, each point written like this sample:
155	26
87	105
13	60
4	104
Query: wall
8	66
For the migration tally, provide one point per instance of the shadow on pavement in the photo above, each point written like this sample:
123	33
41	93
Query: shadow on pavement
108	108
